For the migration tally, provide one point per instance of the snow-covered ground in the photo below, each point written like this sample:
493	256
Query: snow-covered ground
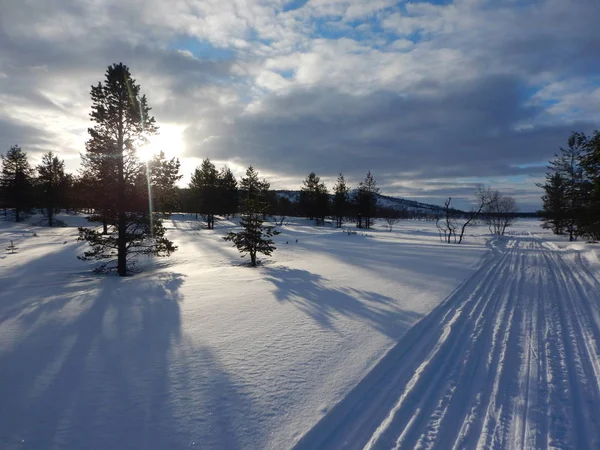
510	360
319	345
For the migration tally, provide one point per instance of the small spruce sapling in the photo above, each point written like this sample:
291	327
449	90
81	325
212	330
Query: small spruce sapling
11	249
254	238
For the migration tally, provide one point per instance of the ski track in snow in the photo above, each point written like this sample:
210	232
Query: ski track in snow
510	360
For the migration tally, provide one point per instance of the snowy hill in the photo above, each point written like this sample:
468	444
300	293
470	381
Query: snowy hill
409	205
383	201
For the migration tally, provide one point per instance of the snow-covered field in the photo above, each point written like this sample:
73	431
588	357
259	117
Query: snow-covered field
317	348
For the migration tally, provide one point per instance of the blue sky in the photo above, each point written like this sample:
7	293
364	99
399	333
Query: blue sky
431	96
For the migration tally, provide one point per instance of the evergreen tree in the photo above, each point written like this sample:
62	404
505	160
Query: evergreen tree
255	192
122	124
251	188
15	180
268	197
164	174
321	204
366	201
99	171
308	193
82	185
573	194
568	164
590	220
204	185
53	184
185	199
340	200
255	237
314	198
228	192
12	248
554	203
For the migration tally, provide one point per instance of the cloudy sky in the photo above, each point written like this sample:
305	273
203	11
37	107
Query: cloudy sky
432	97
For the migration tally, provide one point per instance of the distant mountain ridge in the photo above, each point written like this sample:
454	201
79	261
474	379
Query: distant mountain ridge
384	201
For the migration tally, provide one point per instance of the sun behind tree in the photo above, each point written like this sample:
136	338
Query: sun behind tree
122	124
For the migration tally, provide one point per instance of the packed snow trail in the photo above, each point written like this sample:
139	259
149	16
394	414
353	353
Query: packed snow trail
510	360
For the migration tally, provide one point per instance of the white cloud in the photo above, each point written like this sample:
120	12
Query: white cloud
284	78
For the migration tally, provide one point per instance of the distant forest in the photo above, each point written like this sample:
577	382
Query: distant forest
127	198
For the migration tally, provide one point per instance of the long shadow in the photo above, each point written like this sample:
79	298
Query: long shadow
443	262
56	273
99	365
97	377
324	304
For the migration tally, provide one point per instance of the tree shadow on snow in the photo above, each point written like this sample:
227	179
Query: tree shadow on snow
309	292
93	367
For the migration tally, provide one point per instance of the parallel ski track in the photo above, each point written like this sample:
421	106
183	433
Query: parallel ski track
511	360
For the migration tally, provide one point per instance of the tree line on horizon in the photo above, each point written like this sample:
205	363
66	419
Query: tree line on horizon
115	190
571	199
211	192
127	199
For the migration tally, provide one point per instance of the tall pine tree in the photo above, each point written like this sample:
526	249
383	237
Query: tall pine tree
340	200
366	201
554	203
228	192
53	184
590	220
314	198
568	164
164	175
122	124
567	189
255	192
16	181
204	186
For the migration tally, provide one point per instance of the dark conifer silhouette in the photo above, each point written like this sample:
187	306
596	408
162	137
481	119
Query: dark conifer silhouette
255	237
53	184
122	124
16	181
340	207
227	192
314	198
204	187
164	174
366	201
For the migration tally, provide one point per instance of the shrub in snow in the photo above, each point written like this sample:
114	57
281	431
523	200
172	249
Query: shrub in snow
12	248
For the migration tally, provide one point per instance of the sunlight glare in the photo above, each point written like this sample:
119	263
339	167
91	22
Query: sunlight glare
169	140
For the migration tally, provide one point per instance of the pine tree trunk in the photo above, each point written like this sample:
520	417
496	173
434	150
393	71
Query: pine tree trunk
253	258
122	216
50	216
104	225
571	232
